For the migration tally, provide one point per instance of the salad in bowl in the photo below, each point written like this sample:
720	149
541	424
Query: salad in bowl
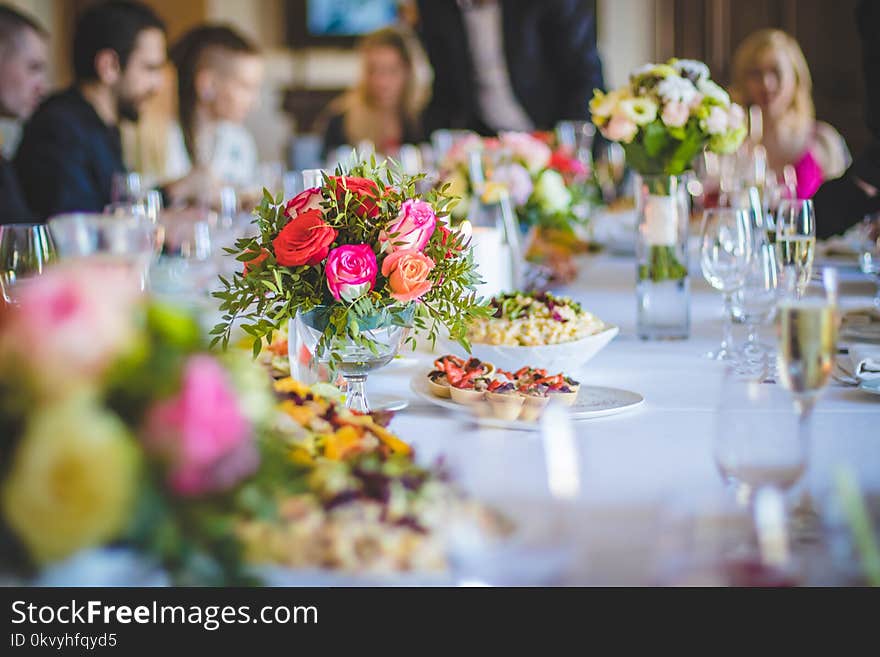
551	332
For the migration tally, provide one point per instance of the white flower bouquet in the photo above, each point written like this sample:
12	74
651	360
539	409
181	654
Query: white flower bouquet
667	114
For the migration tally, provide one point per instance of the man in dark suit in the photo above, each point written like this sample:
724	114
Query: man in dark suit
71	147
509	64
845	201
23	58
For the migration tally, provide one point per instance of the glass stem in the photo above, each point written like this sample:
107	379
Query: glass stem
356	396
727	335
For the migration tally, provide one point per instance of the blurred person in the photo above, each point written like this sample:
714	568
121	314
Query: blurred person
770	71
23	66
383	107
844	202
219	76
509	64
71	147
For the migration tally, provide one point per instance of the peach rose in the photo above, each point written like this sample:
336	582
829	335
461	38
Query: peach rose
407	272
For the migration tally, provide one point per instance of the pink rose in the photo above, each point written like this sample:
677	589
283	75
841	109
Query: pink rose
201	432
351	271
675	114
310	199
412	229
620	128
532	152
71	323
407	272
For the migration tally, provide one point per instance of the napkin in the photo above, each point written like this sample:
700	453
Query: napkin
866	361
861	325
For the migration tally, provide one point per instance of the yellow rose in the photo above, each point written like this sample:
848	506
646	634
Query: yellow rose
72	480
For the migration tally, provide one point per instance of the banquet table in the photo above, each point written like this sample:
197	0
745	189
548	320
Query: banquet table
636	465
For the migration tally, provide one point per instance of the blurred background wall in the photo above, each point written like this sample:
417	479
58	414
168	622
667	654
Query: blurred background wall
304	71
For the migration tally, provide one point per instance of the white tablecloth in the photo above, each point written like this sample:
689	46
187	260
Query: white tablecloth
647	457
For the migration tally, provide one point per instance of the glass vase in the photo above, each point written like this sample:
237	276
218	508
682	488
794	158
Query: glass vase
380	334
662	284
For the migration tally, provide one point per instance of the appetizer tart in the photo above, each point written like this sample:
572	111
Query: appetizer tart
451	372
470	391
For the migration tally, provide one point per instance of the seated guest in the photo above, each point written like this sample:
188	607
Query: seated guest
509	64
770	71
23	56
219	74
843	202
71	147
382	107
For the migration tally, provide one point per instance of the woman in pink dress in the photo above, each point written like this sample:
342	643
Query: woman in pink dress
771	72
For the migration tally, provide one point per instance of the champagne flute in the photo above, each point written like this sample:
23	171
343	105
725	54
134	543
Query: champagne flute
795	244
757	302
25	250
725	251
807	349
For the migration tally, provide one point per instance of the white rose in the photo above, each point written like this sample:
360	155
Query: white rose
713	91
677	90
716	122
551	193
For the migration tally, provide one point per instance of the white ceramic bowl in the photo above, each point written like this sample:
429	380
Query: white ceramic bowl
567	357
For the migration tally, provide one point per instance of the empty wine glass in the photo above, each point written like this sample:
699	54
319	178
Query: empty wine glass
126	187
725	251
25	250
756	301
126	243
795	244
756	445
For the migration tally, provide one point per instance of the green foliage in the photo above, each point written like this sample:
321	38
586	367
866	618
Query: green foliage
663	265
270	294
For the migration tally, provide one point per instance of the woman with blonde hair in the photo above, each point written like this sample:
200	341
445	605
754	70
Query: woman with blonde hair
383	107
771	72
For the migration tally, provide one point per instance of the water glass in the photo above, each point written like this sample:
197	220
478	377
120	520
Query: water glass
725	251
128	242
25	251
126	187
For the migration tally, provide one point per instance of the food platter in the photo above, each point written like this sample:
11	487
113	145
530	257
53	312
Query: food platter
592	402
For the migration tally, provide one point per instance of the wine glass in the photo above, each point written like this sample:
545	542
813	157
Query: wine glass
795	244
125	242
756	302
807	350
756	445
25	250
126	187
725	251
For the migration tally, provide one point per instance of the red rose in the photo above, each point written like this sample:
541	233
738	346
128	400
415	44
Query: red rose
562	162
364	194
305	240
249	264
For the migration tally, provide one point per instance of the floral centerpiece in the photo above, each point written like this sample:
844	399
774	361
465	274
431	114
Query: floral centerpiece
546	184
664	117
122	440
118	428
550	191
349	260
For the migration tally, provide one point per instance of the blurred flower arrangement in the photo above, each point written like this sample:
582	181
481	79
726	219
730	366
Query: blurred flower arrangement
118	429
363	244
117	426
667	114
547	185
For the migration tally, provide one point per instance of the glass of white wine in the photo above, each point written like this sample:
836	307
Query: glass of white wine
725	252
807	349
795	244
